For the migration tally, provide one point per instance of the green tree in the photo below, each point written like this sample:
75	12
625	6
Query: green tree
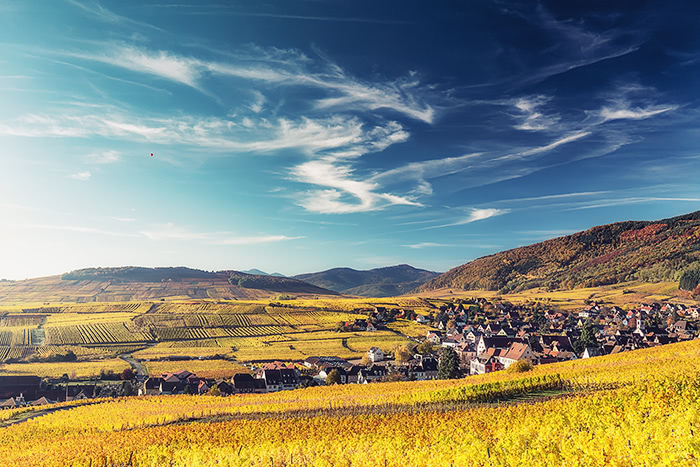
214	391
448	365
689	280
333	377
588	337
128	374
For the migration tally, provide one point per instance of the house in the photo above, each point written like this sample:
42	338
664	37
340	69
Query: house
290	378
482	365
202	387
41	401
323	374
592	352
496	342
370	327
243	383
224	387
273	380
371	373
353	374
421	319
321	362
516	352
451	343
433	337
15	385
8	404
150	386
375	354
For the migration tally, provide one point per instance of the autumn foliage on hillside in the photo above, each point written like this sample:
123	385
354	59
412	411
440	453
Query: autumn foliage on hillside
623	251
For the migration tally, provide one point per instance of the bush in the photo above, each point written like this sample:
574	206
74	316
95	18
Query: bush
521	366
690	279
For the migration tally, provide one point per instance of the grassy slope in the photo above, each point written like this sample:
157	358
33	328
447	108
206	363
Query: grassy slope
634	408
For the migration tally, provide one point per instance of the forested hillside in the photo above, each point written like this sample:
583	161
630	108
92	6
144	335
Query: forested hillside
634	250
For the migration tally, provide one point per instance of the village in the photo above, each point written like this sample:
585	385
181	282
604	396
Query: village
466	337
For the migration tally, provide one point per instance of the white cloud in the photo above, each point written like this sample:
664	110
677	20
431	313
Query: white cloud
254	240
80	229
258	102
93	8
531	118
170	231
623	112
417	246
339	178
475	214
104	157
82	176
546	148
343	91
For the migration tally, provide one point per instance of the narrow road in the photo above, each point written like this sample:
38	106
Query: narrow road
138	367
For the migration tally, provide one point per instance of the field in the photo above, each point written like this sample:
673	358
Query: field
634	408
231	331
247	331
86	369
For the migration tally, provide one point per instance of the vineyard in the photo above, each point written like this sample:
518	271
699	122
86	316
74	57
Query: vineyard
634	408
244	331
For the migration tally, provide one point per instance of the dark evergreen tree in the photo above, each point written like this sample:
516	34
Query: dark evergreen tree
448	366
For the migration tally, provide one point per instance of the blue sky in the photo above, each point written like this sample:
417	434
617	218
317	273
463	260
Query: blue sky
296	136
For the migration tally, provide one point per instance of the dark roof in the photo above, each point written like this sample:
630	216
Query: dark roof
500	342
153	383
328	360
243	381
272	377
289	376
19	381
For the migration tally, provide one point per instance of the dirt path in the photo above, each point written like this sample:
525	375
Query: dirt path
138	367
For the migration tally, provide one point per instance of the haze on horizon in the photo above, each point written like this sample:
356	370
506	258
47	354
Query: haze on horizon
300	136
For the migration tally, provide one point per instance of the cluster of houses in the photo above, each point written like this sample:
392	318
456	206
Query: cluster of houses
487	342
281	376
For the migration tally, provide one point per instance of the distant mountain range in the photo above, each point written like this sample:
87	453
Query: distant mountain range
650	251
379	282
138	283
262	273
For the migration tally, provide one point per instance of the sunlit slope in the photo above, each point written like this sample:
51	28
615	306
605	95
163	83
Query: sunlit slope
634	408
608	254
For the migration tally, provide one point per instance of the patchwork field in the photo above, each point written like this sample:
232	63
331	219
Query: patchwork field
231	331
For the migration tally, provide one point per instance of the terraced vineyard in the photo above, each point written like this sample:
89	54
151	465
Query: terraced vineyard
109	333
155	330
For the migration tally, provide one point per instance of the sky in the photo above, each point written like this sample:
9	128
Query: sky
296	136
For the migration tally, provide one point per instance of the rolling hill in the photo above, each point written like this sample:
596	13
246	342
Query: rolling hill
138	283
650	251
379	282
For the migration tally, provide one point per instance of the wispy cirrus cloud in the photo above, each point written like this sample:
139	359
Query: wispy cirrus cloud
622	111
104	157
418	246
98	11
406	96
173	232
82	176
530	115
475	214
